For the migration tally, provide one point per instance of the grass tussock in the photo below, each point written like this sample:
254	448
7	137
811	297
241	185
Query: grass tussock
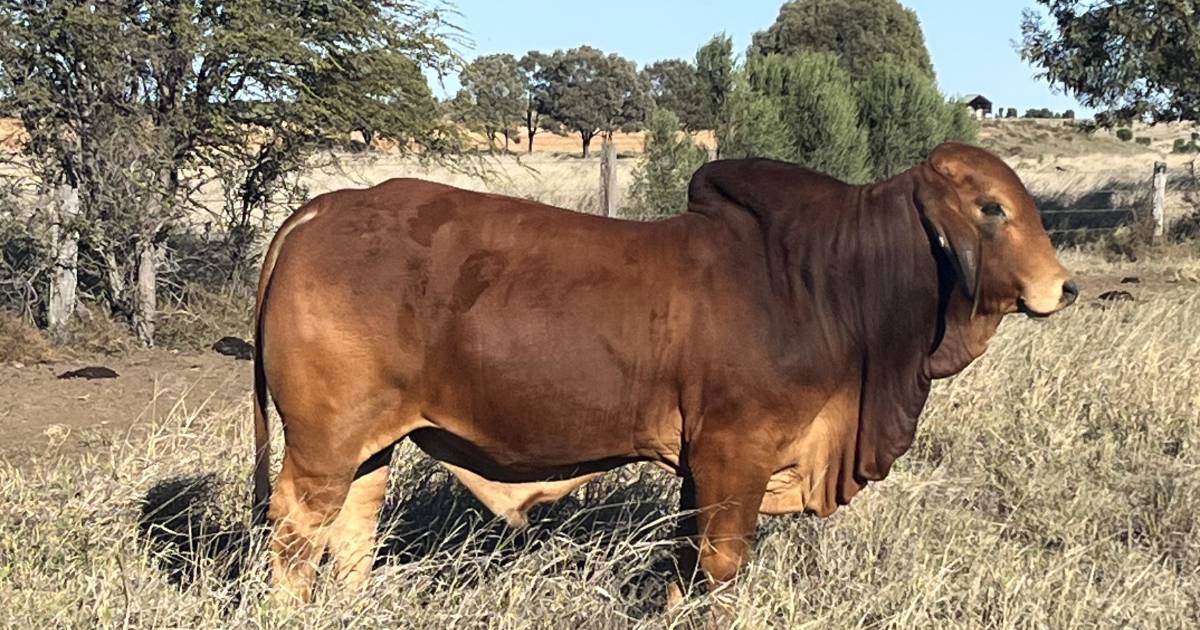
1052	485
206	315
22	342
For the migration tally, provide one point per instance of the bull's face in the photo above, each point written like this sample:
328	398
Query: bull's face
995	234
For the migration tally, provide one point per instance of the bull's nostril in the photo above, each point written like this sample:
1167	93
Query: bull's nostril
1070	292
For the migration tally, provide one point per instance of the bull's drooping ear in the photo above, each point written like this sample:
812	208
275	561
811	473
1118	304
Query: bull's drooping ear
938	204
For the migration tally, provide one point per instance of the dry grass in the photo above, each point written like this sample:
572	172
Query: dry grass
1052	485
21	342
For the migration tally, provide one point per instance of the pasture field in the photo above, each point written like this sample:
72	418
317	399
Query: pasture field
1052	485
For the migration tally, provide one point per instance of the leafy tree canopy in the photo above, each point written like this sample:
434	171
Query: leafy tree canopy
858	32
493	95
1135	58
590	93
714	70
675	86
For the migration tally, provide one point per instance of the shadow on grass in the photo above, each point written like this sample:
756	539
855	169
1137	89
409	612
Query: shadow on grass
189	531
193	528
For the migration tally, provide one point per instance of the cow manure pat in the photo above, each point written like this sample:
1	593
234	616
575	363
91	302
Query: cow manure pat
90	373
234	347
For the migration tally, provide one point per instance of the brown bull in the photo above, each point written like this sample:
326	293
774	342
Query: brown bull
773	345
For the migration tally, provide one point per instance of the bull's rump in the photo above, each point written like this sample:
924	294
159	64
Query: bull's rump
541	341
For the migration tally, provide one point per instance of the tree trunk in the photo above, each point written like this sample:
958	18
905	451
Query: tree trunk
587	143
117	302
145	297
530	126
65	241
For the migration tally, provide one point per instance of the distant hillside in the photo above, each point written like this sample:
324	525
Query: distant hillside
1030	138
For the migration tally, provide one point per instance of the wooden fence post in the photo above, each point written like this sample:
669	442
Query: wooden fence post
608	179
1160	199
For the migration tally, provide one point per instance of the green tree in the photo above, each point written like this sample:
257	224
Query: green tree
493	97
959	123
819	109
674	85
591	93
1133	58
753	125
536	98
133	107
714	70
660	181
858	32
905	117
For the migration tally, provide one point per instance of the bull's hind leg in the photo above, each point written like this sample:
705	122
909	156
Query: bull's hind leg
352	535
304	503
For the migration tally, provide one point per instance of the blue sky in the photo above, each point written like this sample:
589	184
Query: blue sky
971	41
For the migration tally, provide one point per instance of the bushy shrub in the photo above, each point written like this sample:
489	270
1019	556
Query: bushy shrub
958	125
1184	146
753	126
819	109
905	117
661	179
1143	140
1011	112
1124	135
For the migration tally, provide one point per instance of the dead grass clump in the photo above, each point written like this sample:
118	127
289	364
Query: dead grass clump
205	316
94	331
21	342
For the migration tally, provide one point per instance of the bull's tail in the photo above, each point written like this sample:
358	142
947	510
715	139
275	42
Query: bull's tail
262	434
262	431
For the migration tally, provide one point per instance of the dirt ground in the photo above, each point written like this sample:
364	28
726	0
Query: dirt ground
42	415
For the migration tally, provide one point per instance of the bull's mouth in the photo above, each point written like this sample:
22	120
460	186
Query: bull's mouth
1023	307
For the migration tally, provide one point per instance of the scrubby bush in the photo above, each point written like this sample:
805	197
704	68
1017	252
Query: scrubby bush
1143	140
661	179
905	117
1124	135
957	124
1011	112
819	109
753	126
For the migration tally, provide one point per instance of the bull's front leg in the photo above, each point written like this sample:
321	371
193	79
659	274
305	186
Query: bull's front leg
724	482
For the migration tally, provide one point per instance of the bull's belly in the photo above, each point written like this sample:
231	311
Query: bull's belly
510	488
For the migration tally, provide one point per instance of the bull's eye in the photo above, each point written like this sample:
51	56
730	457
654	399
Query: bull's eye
993	209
